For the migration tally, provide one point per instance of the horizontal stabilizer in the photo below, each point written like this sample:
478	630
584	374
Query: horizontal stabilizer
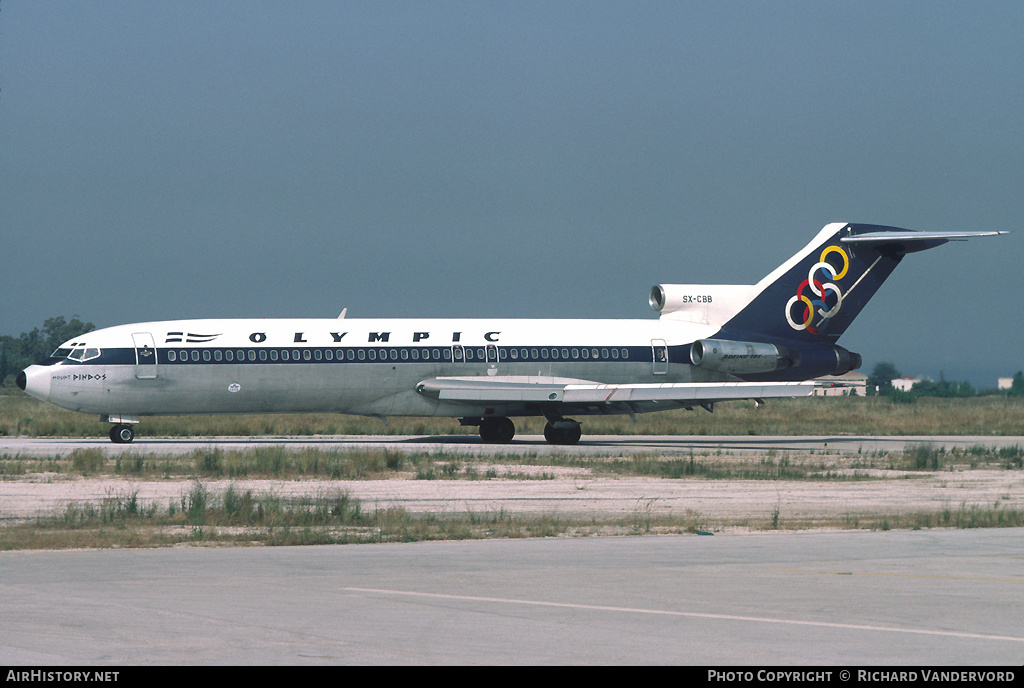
904	236
568	391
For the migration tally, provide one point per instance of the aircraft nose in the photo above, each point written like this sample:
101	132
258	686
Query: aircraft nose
35	381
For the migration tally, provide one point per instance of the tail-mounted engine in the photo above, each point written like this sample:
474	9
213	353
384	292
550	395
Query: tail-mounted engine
741	358
725	356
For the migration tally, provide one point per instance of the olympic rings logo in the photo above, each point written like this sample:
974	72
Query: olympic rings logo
819	292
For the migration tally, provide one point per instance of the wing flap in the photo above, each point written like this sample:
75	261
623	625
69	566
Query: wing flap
566	390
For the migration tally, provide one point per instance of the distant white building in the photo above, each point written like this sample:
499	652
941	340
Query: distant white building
1005	382
904	383
850	384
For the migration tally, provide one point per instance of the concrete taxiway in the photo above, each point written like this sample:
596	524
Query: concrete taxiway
523	444
930	598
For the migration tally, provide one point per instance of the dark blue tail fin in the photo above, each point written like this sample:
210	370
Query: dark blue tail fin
815	295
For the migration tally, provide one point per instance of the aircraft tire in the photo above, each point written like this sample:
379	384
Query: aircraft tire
497	430
122	434
562	435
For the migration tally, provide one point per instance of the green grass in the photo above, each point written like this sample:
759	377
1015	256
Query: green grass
359	463
251	518
244	517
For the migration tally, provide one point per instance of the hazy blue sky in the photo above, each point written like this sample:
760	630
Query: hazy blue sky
519	159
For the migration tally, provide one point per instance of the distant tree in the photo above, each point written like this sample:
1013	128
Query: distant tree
881	378
943	388
1017	386
20	352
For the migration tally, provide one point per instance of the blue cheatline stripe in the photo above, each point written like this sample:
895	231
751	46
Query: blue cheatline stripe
390	354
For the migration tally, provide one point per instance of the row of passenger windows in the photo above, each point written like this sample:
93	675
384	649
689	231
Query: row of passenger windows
460	354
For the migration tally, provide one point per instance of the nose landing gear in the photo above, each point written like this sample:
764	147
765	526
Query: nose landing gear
122	434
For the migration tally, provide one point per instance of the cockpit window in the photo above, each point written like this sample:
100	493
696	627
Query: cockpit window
60	353
82	354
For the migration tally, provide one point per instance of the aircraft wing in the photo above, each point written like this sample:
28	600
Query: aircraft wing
521	389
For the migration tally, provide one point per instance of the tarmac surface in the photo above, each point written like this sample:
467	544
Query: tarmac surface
926	598
522	444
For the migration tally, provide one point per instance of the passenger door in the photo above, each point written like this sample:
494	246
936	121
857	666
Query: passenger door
145	356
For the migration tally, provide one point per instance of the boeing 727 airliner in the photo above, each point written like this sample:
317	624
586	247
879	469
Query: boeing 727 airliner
711	343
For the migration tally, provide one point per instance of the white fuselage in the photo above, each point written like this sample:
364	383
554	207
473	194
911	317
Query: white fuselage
365	367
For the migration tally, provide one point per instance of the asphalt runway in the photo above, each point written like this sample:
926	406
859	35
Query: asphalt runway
930	598
524	444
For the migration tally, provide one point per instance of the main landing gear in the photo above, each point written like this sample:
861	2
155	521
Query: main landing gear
562	431
122	434
497	430
501	430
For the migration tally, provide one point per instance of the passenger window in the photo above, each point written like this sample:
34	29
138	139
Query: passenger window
171	355
317	354
252	354
206	354
263	354
217	355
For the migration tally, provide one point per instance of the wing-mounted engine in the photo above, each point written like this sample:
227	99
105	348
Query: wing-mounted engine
705	304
